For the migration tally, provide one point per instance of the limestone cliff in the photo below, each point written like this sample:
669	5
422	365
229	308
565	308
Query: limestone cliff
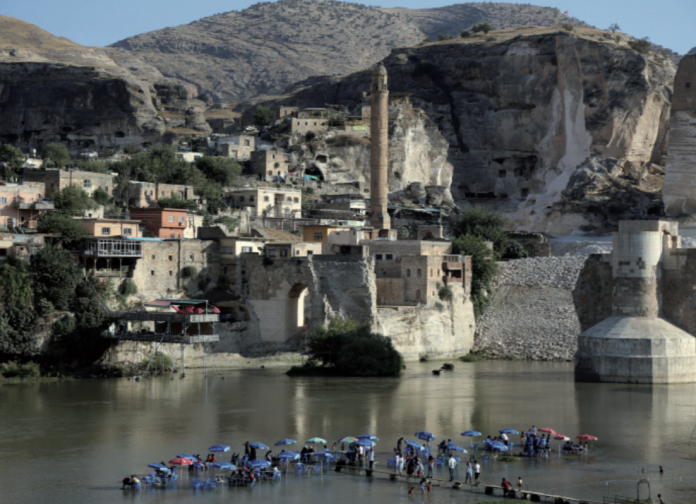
53	90
417	155
521	109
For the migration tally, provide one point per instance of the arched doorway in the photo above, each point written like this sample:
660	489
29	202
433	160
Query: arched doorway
296	309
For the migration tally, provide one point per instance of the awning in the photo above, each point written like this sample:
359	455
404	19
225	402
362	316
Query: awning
169	302
5	244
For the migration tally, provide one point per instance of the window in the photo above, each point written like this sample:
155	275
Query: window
241	199
318	236
171	258
127	232
191	257
389	257
378	257
171	218
419	273
431	272
170	273
272	253
153	257
3	201
408	273
265	198
310	252
227	250
106	231
87	184
297	200
283	252
247	143
172	236
246	250
251	198
152	273
181	221
418	295
225	270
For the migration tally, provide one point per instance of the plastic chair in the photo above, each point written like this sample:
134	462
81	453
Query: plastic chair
391	462
299	467
316	468
277	475
485	458
135	486
148	480
197	484
211	483
475	446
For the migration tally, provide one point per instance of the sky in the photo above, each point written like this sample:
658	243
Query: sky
102	22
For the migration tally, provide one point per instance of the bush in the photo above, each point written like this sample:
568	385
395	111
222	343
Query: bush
445	292
28	370
189	272
56	155
178	203
128	287
159	364
568	27
439	306
642	46
465	34
448	366
482	27
468	358
45	307
229	222
16	282
308	190
262	116
491	39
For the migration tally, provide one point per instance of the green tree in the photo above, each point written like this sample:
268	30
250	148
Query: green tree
15	344
16	282
222	170
614	27
55	276
465	34
485	224
641	46
56	155
484	267
482	27
101	197
73	200
70	230
262	116
14	161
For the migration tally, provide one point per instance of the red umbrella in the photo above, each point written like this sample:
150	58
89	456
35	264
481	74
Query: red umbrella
587	437
181	461
548	430
199	310
214	309
561	437
189	309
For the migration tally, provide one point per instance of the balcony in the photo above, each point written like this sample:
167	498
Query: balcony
20	204
113	248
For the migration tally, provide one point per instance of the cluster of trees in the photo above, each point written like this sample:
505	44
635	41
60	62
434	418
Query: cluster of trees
52	282
473	230
349	348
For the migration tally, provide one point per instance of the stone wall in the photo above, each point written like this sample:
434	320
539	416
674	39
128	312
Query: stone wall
531	313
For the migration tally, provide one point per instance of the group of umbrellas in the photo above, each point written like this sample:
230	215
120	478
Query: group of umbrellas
366	440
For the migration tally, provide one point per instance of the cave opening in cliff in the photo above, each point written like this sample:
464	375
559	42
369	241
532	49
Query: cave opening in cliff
296	308
315	172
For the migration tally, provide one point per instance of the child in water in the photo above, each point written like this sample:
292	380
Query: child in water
411	491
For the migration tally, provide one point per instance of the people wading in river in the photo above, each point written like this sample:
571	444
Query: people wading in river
452	463
469	473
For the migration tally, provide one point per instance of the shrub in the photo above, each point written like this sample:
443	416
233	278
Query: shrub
568	27
308	190
28	370
465	34
262	116
482	27
70	230
229	222
44	307
440	307
641	46
442	36
448	366
445	292
101	197
74	200
56	155
159	364
176	202
128	287
617	38
189	272
346	141
11	370
16	282
491	39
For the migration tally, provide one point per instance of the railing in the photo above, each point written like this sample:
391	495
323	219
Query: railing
166	317
452	258
165	338
114	248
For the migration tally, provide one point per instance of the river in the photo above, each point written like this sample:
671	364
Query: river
72	442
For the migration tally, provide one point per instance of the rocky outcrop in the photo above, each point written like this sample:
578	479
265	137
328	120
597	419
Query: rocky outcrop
523	108
53	90
531	314
417	156
680	172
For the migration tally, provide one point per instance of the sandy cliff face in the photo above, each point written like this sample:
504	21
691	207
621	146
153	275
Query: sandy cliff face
521	112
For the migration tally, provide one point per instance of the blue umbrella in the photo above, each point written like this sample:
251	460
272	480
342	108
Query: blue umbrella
347	439
369	436
289	455
187	456
260	463
316	440
366	442
219	448
225	465
284	442
508	431
415	444
258	446
454	447
160	467
325	455
497	445
425	436
471	433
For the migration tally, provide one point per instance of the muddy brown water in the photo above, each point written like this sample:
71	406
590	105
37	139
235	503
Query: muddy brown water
72	442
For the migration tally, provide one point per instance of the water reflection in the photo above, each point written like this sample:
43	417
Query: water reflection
81	437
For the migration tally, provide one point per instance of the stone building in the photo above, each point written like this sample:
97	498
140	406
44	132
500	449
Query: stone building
57	179
311	119
266	201
238	146
146	194
636	308
269	163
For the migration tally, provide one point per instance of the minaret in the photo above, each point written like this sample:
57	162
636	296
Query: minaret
379	149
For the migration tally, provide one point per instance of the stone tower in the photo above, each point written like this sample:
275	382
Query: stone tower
379	150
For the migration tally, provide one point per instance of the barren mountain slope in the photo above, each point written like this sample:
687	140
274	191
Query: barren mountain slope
262	50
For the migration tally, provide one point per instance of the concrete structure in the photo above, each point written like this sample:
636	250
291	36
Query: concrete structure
146	194
162	222
269	163
55	180
22	205
189	157
111	227
288	250
341	206
311	119
679	191
536	244
379	149
266	201
635	342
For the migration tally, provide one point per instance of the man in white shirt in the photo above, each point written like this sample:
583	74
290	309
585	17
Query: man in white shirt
452	463
477	473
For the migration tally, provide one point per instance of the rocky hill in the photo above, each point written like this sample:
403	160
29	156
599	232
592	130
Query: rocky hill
522	109
52	89
235	56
